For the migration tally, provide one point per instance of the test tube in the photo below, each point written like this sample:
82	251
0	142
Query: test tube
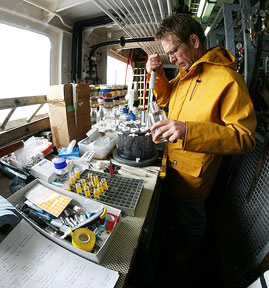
95	180
104	183
90	176
72	180
77	173
92	184
67	186
96	193
100	188
87	191
78	188
83	182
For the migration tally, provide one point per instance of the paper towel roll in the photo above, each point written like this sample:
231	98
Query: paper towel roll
8	220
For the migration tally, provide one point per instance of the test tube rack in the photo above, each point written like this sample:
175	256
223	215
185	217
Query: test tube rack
123	192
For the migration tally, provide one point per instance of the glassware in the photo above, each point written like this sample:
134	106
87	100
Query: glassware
93	115
155	115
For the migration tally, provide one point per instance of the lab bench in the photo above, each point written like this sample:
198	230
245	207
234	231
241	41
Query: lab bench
134	232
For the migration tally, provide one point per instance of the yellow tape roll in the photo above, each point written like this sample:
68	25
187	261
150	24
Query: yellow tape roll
83	239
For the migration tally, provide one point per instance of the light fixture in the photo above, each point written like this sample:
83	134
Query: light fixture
207	10
201	8
207	30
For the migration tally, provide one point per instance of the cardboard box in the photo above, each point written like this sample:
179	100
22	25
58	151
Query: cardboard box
85	203
62	113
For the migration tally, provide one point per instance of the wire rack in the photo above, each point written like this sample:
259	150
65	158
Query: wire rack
123	192
244	233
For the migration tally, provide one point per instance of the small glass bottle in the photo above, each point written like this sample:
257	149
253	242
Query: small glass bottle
87	191
105	186
96	193
93	115
109	120
72	179
77	173
100	116
78	188
155	115
67	186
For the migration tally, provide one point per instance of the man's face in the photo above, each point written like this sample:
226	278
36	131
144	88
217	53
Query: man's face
180	53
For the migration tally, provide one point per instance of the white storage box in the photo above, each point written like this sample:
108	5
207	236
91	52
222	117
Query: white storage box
103	146
44	170
84	144
84	203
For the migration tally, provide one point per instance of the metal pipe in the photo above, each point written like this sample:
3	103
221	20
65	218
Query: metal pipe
50	11
123	13
151	20
160	4
152	8
145	20
115	12
135	11
169	7
122	41
100	6
142	33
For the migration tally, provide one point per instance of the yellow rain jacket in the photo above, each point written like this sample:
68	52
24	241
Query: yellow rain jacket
213	100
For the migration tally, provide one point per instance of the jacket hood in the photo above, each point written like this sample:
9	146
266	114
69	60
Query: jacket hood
218	56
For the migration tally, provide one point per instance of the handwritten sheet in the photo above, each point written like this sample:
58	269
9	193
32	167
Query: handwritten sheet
28	259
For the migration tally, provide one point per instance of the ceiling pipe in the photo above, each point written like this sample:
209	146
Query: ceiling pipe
131	14
50	11
145	20
160	4
150	19
136	32
142	26
153	11
169	7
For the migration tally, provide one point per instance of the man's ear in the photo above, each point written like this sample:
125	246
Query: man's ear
194	40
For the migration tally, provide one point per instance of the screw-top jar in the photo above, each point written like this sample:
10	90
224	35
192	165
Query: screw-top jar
60	167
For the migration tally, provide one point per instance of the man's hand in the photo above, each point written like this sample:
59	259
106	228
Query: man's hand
171	130
155	63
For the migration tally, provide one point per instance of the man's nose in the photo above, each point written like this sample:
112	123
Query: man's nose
172	59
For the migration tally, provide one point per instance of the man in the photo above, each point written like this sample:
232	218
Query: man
210	114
